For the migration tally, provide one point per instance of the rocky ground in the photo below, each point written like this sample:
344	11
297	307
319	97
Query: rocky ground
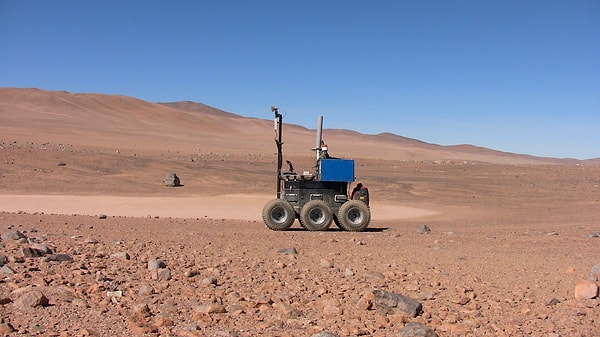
455	247
121	276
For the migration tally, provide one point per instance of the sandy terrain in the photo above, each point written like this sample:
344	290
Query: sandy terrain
94	244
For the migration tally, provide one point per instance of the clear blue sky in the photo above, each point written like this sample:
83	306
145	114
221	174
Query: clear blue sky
517	76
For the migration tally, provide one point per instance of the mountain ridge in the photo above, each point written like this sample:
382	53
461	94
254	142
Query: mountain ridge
123	120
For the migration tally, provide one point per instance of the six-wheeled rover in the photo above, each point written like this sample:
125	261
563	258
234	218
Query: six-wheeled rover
320	198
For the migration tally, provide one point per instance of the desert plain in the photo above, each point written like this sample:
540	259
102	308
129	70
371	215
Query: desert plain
94	244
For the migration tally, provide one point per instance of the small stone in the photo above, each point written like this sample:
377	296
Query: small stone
213	308
288	251
60	258
30	252
348	272
90	332
164	274
116	294
364	304
164	321
326	263
286	310
553	301
145	290
154	264
141	312
423	229
325	334
172	180
7	270
6	328
42	248
121	256
586	289
462	300
31	299
102	216
13	234
332	311
389	303
596	269
415	329
209	281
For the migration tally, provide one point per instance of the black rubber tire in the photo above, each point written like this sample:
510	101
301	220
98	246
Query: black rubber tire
278	215
316	215
354	216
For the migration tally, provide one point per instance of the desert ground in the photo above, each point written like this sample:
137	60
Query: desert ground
94	244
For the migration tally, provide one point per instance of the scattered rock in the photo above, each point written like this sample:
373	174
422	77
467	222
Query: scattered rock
44	249
145	290
121	256
553	301
13	234
390	303
209	281
288	251
115	293
59	258
172	180
7	270
287	311
415	329
31	299
29	252
154	264
423	229
6	328
102	216
162	274
586	289
325	334
212	308
596	270
326	263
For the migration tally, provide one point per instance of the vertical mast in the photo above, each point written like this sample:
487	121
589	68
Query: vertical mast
319	136
278	124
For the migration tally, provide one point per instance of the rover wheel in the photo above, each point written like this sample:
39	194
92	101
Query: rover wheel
278	215
354	216
316	216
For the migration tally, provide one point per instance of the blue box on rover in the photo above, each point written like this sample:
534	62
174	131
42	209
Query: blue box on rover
336	169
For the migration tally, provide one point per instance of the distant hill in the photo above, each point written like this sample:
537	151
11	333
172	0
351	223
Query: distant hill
121	121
